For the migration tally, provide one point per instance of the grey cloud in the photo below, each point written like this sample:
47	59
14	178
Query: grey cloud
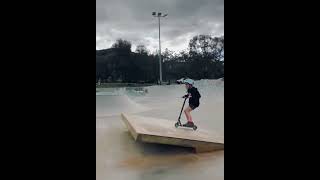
132	20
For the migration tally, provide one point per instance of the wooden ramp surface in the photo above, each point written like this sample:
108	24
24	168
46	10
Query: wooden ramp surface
162	131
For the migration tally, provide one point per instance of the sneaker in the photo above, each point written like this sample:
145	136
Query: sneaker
188	124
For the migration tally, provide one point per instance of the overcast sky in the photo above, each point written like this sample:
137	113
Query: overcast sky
132	20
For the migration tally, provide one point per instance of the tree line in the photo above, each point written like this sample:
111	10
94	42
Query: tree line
204	59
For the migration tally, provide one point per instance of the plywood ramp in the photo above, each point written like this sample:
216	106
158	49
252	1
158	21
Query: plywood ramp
162	131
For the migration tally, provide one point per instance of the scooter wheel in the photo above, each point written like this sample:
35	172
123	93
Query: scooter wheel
195	127
176	125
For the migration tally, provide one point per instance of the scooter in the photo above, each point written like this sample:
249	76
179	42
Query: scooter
177	124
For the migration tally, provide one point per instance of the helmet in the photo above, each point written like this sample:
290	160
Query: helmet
188	81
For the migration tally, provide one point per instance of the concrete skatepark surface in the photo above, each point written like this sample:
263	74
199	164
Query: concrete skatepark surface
119	156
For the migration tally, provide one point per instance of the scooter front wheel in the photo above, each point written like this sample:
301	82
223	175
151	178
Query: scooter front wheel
195	127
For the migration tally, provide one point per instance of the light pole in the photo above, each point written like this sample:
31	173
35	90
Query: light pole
160	62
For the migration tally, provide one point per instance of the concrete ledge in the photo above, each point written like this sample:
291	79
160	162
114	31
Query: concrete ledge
162	131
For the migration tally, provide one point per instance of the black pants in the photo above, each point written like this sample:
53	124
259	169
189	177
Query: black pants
192	106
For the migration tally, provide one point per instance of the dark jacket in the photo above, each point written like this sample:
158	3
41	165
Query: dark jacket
195	96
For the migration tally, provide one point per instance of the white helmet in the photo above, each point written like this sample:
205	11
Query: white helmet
188	81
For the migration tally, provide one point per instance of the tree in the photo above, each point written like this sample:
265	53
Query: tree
206	54
183	56
122	44
199	44
167	55
207	47
218	48
205	59
141	49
